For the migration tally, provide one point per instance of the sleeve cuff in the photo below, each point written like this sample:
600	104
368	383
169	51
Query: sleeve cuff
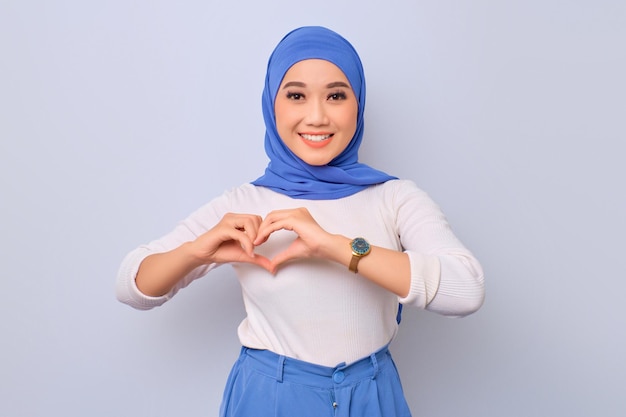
425	277
126	289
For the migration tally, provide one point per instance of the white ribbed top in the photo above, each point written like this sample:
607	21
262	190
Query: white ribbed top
318	311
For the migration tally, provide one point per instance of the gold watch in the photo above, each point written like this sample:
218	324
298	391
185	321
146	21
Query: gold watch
360	248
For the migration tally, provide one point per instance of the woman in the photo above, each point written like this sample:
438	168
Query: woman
321	301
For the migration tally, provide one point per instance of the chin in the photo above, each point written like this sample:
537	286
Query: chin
314	160
316	163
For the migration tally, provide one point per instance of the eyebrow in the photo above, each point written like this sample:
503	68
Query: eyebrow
338	84
302	85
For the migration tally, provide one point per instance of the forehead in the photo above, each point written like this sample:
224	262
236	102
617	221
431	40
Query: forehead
314	70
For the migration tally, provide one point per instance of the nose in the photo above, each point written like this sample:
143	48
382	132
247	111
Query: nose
316	113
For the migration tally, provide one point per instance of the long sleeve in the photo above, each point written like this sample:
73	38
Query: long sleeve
445	277
318	310
196	224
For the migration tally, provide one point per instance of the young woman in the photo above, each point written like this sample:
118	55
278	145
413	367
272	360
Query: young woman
326	250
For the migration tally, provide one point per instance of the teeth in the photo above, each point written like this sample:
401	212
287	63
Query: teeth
315	138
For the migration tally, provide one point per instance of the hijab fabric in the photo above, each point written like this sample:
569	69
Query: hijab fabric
286	173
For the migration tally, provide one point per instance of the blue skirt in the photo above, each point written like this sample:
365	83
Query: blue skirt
264	384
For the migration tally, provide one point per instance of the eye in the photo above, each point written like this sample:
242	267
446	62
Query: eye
339	95
294	96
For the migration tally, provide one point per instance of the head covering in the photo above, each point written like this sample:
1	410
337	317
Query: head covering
286	173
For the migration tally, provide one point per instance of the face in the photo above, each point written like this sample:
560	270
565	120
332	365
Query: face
316	111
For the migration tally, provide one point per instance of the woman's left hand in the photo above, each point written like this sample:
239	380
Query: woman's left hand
385	267
309	243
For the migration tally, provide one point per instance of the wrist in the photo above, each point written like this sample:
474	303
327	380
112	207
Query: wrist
191	255
338	250
360	248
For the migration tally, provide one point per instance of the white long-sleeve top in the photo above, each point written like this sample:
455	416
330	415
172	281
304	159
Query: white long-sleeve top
316	310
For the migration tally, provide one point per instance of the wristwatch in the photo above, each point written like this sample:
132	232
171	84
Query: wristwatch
360	248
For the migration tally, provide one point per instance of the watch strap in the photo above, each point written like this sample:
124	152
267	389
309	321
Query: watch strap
354	262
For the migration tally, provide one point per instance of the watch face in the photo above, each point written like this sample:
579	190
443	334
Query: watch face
360	246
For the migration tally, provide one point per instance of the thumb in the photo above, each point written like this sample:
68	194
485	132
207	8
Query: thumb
294	251
263	262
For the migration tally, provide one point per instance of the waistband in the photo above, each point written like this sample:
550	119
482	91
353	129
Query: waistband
283	368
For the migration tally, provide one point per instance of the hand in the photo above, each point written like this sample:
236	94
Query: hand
231	240
308	244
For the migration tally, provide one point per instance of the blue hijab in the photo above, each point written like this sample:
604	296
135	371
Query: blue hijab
288	174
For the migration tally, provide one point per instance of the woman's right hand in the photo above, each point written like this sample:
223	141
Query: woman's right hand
231	240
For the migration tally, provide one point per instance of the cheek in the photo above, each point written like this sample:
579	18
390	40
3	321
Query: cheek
349	119
280	117
278	111
284	115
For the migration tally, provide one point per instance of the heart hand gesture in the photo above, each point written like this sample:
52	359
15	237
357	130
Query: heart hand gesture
310	242
231	240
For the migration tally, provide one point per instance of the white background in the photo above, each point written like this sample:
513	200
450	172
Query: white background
119	118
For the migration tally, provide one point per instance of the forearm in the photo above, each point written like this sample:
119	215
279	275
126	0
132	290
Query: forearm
160	272
461	290
387	268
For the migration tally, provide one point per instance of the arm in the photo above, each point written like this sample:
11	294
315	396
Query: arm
153	273
229	241
160	272
446	277
434	271
414	277
388	268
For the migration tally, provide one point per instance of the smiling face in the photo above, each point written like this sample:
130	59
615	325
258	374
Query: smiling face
316	111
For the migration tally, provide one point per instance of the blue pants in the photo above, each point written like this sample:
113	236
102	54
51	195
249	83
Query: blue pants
264	384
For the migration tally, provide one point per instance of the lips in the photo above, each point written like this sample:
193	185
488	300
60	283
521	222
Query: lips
316	140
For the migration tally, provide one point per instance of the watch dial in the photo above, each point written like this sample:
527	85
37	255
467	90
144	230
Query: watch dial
360	246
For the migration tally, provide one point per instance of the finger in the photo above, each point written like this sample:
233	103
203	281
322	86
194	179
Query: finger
264	263
241	237
280	259
295	251
258	260
266	229
242	228
277	215
248	224
274	221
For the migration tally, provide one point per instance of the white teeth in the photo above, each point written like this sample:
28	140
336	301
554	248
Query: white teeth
315	138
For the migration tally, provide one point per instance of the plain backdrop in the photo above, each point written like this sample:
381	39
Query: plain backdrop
119	118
